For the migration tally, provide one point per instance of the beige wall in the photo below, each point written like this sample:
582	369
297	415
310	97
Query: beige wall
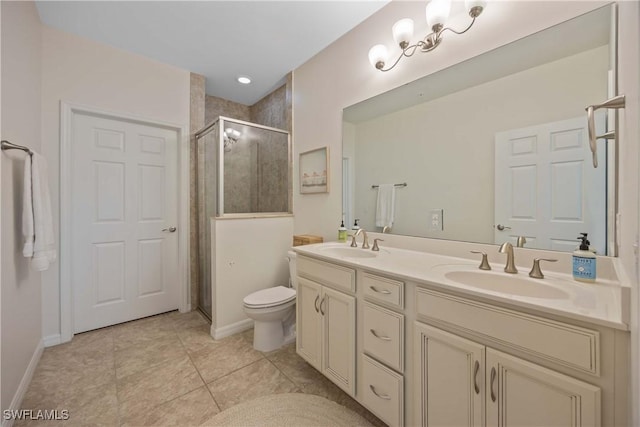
444	149
80	71
340	76
629	84
21	295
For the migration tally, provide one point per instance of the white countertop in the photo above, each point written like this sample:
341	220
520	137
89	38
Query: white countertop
600	303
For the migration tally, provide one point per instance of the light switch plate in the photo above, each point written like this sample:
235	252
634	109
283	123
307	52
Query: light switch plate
435	220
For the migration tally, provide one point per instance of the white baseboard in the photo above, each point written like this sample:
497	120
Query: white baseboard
52	340
234	328
16	402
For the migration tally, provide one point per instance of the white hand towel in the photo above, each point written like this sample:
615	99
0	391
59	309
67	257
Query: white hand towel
385	205
27	211
44	251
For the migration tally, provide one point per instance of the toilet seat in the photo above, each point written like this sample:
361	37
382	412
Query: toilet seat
270	297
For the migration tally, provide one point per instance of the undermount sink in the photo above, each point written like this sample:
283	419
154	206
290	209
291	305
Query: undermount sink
348	252
506	284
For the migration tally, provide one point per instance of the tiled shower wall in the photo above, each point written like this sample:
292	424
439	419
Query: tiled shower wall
274	110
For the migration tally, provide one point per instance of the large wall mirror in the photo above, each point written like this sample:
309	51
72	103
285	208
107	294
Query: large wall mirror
495	147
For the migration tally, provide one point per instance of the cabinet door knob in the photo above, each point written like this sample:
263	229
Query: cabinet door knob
381	396
316	303
383	292
475	377
493	380
380	337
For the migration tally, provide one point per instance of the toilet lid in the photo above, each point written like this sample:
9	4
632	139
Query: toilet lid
271	296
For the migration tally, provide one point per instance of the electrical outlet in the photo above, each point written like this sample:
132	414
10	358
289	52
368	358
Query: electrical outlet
435	220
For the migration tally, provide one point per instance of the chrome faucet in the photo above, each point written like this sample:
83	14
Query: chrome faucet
385	229
521	241
507	248
365	242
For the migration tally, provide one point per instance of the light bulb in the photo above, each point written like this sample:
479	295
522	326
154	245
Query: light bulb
378	55
228	132
437	13
403	32
475	7
236	134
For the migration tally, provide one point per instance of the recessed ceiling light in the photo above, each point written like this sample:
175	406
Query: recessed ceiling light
244	80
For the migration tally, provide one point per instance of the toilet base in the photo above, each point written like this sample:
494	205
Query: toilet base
268	336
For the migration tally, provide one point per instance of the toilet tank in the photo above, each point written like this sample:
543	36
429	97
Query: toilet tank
293	277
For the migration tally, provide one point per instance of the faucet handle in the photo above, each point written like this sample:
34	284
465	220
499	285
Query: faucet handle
535	272
484	264
354	244
375	244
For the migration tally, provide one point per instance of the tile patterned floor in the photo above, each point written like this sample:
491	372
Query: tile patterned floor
166	370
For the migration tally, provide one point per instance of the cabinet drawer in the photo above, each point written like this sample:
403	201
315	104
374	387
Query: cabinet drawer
383	335
382	289
562	343
333	275
382	392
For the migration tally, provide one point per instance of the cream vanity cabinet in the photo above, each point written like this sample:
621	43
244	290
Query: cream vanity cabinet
462	381
381	333
326	319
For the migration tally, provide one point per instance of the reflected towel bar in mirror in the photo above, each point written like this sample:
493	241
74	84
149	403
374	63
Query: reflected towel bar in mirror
404	184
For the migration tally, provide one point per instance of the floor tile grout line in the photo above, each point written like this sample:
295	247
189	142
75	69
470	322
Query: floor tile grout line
298	386
206	386
234	371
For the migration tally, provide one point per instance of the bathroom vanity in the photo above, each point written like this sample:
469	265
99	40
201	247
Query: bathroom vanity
425	339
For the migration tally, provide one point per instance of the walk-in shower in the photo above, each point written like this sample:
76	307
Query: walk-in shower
243	170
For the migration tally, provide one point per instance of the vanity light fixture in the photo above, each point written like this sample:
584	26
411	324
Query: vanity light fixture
437	12
231	136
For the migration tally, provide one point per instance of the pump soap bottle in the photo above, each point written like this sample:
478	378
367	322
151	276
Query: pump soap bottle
355	227
342	233
584	261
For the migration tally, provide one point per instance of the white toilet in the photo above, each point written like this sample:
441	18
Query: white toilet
273	312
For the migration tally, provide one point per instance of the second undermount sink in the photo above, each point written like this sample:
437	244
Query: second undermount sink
505	283
348	252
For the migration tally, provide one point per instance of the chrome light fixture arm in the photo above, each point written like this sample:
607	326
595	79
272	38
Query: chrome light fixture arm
377	54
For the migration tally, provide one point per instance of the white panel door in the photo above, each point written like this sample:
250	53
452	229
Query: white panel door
124	194
546	187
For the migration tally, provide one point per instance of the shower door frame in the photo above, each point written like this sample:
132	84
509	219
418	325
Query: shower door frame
220	202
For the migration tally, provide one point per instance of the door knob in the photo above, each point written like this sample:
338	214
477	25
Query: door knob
169	230
501	227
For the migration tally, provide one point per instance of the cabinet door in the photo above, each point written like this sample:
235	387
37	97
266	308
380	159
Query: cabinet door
309	322
450	379
339	339
520	393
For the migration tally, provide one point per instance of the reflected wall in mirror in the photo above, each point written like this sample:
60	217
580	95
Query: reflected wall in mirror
492	148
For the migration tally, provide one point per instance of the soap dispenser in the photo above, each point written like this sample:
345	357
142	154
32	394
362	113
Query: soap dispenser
584	261
355	227
342	232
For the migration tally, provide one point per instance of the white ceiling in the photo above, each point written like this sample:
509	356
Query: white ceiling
218	39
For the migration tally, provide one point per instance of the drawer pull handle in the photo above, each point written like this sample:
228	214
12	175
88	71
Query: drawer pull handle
322	302
380	337
475	377
316	303
493	380
381	396
383	292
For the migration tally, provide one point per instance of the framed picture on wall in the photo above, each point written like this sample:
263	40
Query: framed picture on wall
314	171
